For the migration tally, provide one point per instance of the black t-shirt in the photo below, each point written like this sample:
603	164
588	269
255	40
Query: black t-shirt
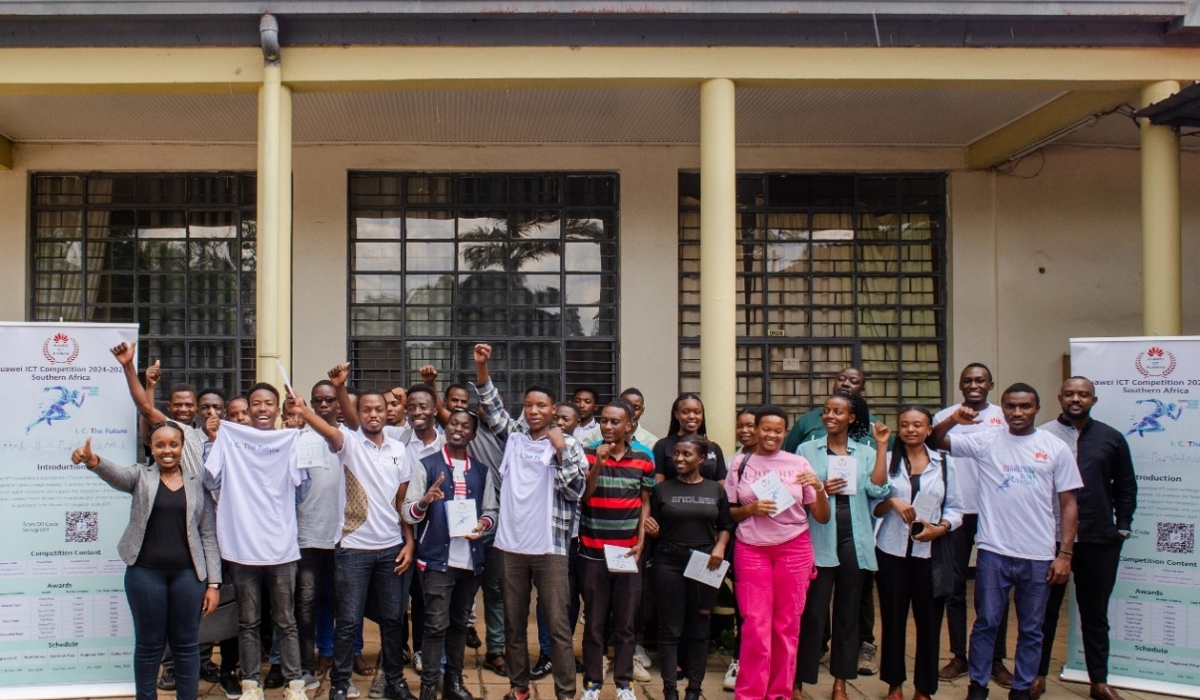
690	515
713	467
165	545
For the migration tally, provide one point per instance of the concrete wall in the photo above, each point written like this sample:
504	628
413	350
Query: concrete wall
1078	218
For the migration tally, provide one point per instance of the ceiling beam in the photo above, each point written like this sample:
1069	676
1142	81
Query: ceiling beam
378	68
1041	124
6	154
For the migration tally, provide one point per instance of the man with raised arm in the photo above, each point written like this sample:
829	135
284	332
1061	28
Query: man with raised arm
1021	471
540	482
376	549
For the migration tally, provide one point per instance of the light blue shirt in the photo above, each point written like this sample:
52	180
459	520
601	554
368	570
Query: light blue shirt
894	533
825	535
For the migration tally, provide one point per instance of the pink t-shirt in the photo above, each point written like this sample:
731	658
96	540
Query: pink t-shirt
765	530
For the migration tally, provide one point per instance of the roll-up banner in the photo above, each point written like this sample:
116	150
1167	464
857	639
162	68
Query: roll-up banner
1149	389
65	628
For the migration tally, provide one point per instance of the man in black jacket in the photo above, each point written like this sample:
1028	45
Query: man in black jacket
1106	504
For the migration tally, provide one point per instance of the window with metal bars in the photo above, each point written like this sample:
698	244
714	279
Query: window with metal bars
524	262
833	270
172	252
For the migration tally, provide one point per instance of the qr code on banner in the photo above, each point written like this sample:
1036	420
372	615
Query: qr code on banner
1176	538
83	526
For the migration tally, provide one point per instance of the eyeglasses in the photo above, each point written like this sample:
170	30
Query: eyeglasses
322	399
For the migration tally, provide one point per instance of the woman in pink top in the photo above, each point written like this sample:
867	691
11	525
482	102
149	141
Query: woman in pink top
773	558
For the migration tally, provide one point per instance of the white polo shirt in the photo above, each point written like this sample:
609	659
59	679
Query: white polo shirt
373	475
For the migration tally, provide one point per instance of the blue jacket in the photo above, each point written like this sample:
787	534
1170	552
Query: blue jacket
432	527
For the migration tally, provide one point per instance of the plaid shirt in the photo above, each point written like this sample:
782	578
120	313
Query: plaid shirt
569	480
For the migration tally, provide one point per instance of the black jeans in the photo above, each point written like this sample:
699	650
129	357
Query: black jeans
603	593
416	614
906	582
843	584
1095	572
519	575
280	581
313	574
449	596
679	601
962	539
165	605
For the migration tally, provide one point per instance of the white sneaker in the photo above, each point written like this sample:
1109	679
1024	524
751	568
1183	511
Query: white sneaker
591	693
639	654
352	692
417	661
251	691
640	674
310	681
730	681
295	691
627	693
377	685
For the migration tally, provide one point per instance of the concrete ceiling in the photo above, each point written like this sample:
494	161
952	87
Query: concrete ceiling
826	116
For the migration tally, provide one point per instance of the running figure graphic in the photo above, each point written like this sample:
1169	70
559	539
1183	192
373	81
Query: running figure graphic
57	410
1150	422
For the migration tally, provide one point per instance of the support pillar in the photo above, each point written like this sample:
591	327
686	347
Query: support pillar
718	256
1162	264
274	297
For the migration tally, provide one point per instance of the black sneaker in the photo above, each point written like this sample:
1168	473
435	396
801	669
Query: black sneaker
231	685
167	680
398	690
671	693
542	668
274	677
976	692
428	692
473	640
337	694
691	694
210	672
1015	694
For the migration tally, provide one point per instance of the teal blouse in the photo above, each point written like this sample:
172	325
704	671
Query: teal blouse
824	535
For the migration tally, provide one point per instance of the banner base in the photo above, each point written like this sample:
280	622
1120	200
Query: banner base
1183	690
60	692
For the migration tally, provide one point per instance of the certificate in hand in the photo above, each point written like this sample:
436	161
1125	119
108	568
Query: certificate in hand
770	488
927	507
461	514
310	453
697	570
619	560
844	467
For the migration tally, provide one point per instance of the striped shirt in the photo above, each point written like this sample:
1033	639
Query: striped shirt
611	514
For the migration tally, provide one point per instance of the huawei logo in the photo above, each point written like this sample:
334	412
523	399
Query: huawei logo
1155	362
1041	456
60	349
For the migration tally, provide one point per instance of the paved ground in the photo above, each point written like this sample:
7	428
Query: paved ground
489	686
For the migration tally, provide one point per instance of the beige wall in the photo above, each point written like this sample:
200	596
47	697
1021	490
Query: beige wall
1078	218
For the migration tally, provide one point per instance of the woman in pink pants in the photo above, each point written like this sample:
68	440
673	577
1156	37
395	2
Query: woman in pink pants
773	557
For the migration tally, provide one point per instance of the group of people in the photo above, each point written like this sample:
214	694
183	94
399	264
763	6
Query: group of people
374	498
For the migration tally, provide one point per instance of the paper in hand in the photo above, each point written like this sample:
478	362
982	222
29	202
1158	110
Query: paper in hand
460	513
311	453
770	488
619	560
697	570
927	507
844	467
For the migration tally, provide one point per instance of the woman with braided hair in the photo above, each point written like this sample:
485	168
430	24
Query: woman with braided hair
845	546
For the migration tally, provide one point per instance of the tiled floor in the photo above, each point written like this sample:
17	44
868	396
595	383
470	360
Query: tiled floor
489	686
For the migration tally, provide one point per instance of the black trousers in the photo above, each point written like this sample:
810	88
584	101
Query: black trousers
904	583
605	593
680	601
1095	572
449	596
962	539
843	584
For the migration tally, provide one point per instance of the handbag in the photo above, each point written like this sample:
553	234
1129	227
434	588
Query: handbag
941	554
221	623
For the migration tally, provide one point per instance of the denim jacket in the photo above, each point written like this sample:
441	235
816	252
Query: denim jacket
825	535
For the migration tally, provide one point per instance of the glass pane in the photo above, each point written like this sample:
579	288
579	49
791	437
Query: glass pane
377	227
541	225
428	257
429	190
376	289
423	225
211	255
584	257
428	289
537	290
377	257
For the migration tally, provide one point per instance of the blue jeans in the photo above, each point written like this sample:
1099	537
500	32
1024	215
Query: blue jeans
355	571
995	574
165	604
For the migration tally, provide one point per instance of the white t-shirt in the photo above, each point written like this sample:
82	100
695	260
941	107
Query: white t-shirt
258	475
1019	476
319	515
373	475
400	433
526	496
990	418
460	547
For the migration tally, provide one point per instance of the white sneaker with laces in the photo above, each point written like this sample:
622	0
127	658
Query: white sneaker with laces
639	653
730	681
251	691
417	661
626	693
352	692
640	674
295	691
591	693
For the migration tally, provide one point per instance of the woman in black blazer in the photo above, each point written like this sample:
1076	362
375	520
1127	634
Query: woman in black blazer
173	565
